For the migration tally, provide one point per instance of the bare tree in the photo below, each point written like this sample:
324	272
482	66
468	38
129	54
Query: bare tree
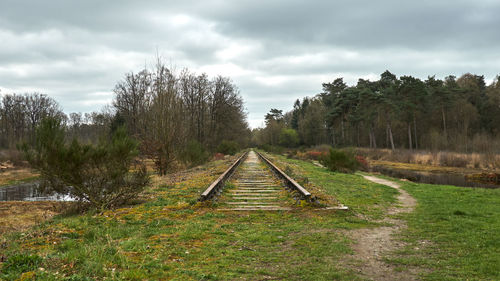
133	100
38	107
166	111
20	114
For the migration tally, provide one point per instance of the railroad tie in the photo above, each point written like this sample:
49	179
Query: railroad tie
255	188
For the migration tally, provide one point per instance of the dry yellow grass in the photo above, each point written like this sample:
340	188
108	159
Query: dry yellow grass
424	167
476	161
16	174
18	216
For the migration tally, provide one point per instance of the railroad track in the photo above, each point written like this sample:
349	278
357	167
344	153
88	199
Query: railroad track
254	183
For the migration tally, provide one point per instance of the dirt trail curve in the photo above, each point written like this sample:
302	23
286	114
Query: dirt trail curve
373	243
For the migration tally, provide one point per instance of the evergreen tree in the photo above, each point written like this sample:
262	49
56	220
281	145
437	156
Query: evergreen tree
98	175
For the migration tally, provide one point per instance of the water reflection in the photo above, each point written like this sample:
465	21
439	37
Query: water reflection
29	192
431	178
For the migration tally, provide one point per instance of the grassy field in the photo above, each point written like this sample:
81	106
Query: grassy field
454	233
171	236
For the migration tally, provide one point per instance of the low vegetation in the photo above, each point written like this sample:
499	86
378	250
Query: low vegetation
228	147
363	197
17	175
345	160
340	161
13	169
174	237
98	175
194	154
20	215
484	161
452	234
273	148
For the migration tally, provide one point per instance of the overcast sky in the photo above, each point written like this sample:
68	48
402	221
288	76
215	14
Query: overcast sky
275	51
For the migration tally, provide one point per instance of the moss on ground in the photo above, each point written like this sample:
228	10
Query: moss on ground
172	236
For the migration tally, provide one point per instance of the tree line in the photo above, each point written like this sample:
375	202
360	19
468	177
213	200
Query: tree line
20	114
159	114
459	114
175	117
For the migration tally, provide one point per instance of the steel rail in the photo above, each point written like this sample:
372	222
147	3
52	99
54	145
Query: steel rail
216	187
291	183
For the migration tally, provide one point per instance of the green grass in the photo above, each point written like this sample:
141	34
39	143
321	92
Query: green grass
454	232
173	237
352	190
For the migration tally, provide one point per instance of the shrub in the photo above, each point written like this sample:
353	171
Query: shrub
363	164
194	154
218	156
98	175
228	147
340	161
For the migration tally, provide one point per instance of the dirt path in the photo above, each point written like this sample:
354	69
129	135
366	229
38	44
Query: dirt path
373	243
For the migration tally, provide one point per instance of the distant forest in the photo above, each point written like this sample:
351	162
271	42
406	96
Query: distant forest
452	114
176	117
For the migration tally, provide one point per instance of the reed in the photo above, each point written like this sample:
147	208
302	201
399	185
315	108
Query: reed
486	161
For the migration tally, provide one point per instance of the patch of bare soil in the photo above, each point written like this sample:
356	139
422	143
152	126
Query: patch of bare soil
372	244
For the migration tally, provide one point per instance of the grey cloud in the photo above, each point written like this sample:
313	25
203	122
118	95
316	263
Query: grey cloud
366	24
276	51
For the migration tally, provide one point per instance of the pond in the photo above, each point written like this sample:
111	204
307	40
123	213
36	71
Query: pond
431	177
29	192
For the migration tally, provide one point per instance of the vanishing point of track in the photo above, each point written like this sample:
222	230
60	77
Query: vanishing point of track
254	187
254	183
